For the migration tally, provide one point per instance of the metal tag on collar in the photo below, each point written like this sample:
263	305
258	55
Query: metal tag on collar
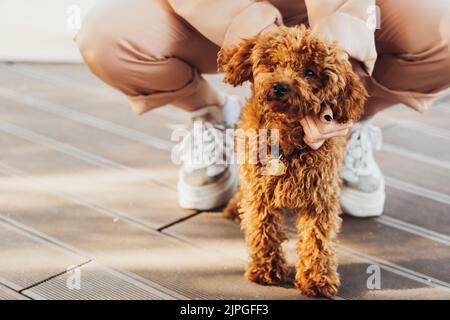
275	167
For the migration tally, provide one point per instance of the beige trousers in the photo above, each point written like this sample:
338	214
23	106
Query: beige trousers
153	56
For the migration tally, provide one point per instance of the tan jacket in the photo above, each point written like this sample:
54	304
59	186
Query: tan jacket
225	22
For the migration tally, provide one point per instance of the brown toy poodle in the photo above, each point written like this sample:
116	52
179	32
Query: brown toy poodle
293	73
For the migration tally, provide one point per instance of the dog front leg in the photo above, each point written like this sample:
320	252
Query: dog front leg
317	266
264	235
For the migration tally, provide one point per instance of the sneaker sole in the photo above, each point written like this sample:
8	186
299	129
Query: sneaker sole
362	204
207	197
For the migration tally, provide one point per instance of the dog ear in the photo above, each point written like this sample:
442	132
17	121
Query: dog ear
235	62
351	97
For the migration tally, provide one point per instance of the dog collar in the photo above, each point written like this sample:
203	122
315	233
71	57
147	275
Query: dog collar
277	166
294	153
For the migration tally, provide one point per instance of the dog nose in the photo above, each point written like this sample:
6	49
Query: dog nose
280	89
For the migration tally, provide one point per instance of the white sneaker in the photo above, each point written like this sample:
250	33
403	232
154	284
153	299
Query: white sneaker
206	179
363	192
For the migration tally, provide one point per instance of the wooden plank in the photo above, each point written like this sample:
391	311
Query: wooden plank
112	117
93	178
209	229
356	283
99	99
417	210
26	260
419	142
84	95
401	248
414	172
412	255
113	142
432	117
90	102
91	282
8	294
133	248
77	69
193	280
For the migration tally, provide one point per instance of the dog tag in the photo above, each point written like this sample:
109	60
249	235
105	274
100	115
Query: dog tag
275	167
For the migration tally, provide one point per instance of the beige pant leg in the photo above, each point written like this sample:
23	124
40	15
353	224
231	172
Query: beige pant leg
413	49
145	50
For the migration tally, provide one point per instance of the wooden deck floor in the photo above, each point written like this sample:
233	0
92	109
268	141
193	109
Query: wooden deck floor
86	186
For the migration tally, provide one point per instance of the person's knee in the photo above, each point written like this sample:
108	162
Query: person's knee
125	60
105	53
96	42
87	43
101	44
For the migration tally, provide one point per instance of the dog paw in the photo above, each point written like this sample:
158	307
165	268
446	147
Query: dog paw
267	275
325	289
329	290
231	214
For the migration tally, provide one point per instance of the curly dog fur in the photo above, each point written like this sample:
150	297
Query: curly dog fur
318	75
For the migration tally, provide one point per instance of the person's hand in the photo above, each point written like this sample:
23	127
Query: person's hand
319	128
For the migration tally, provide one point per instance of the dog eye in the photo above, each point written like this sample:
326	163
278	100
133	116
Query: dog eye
273	66
309	73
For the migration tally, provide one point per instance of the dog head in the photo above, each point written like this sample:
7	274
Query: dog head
295	73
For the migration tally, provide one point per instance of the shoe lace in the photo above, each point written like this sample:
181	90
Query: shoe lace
203	146
365	137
